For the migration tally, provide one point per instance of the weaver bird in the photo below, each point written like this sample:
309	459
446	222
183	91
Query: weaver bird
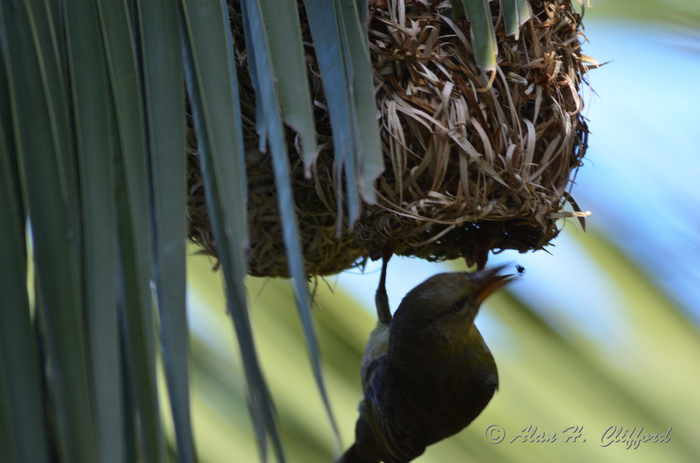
426	372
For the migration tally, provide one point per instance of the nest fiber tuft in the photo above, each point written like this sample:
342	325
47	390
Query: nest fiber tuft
474	159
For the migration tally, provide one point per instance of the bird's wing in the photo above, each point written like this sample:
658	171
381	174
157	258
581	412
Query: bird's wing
377	346
378	411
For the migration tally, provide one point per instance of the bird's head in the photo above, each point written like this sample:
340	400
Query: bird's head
438	315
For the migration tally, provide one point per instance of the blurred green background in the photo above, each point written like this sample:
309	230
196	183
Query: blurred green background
603	332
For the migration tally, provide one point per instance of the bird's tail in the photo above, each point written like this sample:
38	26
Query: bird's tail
354	456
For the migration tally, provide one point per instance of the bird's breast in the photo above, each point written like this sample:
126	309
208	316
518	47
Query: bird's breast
441	397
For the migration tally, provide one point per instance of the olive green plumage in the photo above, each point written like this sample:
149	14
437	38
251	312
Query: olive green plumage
427	373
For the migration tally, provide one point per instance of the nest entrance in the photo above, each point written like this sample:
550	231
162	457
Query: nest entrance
473	160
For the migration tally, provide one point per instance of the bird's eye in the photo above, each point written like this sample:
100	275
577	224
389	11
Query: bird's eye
458	306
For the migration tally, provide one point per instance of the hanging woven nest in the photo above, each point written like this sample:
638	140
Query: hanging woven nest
474	160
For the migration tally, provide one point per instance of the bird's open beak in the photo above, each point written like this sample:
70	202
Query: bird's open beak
490	282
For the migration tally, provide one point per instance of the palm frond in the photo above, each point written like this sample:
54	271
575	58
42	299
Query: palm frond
96	131
478	12
214	103
22	418
270	127
44	151
131	179
165	113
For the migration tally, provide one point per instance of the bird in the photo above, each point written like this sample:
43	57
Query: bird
426	372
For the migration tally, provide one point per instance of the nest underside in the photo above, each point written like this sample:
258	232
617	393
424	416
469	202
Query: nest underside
473	159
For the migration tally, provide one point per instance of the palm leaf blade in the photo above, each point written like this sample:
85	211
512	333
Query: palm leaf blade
165	111
207	44
327	33
23	437
133	224
95	129
483	35
287	52
369	152
47	179
265	74
515	13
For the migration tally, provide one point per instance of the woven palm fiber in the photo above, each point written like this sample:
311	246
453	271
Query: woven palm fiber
475	160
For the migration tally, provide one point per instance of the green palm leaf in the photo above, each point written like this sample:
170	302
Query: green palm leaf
214	102
270	127
478	13
95	133
285	48
134	228
44	152
22	421
165	111
515	13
